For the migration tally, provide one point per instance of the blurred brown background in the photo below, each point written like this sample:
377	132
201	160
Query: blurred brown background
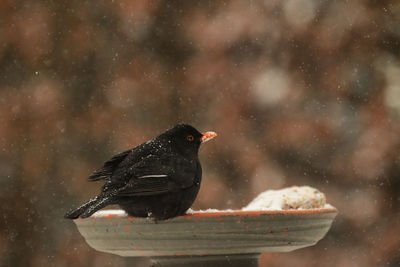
301	92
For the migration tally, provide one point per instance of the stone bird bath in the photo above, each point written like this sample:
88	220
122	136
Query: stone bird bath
222	238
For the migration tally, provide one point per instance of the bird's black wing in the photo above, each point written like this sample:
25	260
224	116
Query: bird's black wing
109	166
154	175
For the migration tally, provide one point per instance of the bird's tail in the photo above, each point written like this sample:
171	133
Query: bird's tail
90	207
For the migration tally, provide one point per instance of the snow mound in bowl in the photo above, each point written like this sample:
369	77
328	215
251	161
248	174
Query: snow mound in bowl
295	197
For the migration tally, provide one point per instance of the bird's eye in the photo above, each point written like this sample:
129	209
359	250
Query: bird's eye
190	138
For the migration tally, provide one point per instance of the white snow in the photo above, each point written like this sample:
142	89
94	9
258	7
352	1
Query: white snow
191	211
295	197
291	198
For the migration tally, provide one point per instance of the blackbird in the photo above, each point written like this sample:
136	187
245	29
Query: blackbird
159	178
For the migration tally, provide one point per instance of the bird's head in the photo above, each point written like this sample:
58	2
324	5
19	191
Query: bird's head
186	137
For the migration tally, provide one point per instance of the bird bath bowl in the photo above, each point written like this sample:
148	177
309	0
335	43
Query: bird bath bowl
224	238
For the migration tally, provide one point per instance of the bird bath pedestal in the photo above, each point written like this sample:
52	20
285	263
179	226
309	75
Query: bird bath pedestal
226	238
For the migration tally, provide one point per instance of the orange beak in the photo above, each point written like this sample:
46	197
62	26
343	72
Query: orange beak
208	136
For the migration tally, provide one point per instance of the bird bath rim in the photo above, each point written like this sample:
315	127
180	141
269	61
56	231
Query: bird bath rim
111	213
